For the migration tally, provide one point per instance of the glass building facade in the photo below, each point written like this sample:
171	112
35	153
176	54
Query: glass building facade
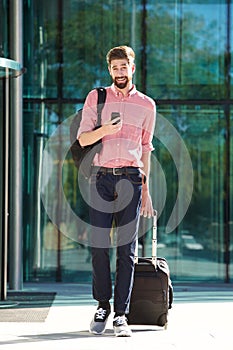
183	61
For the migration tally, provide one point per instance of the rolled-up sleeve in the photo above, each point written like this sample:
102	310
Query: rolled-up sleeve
148	130
89	113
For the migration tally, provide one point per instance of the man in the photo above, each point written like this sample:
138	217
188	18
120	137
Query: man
118	187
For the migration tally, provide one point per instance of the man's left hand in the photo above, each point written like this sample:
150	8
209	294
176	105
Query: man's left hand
147	207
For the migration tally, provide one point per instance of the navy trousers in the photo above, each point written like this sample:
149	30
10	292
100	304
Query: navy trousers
114	199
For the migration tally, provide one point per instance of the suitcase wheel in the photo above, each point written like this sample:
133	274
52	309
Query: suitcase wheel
162	321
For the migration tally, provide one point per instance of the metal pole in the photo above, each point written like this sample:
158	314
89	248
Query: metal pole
5	187
59	174
227	189
144	43
16	151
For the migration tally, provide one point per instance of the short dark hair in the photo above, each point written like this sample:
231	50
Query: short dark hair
120	52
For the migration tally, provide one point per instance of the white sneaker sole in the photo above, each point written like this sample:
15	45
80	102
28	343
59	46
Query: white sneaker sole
96	333
123	334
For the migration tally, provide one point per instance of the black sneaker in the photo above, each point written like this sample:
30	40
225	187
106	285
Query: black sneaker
98	324
120	326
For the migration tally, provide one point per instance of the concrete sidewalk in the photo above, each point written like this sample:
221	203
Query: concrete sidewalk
201	318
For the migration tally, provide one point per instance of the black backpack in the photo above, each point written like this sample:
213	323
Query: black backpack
83	156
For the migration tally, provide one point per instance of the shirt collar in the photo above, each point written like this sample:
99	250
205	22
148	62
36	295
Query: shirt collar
117	92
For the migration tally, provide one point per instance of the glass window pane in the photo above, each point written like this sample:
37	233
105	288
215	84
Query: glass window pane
4	29
199	237
89	32
186	48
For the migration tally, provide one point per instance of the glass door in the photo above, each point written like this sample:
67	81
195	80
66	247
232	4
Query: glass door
8	69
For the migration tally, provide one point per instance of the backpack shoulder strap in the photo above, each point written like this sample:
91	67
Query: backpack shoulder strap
100	102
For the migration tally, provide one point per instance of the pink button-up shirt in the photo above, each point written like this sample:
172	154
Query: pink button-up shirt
138	114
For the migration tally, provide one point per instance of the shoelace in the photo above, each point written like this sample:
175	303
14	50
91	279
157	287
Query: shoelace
100	314
120	320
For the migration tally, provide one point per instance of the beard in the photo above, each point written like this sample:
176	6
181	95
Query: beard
119	84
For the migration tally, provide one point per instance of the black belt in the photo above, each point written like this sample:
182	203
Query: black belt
115	171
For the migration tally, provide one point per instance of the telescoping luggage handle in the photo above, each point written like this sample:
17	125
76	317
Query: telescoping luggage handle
154	239
154	242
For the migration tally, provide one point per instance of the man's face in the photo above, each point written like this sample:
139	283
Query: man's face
121	72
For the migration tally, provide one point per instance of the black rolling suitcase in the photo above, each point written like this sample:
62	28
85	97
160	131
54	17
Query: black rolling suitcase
152	293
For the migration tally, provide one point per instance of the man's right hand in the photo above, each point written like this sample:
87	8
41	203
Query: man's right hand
110	127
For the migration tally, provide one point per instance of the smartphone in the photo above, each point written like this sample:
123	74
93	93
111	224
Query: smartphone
115	115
